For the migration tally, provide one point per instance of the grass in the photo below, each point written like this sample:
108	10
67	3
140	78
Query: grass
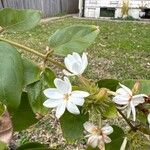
122	49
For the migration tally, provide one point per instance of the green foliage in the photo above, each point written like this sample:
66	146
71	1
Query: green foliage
110	84
3	146
49	77
33	146
144	85
35	91
31	71
23	117
18	20
75	38
109	111
72	125
117	138
11	75
37	98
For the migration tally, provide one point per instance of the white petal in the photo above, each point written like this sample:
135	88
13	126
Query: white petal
53	93
80	94
93	141
77	68
133	111
128	111
122	91
121	99
60	110
51	103
63	86
72	108
76	100
84	60
68	63
148	118
106	139
67	73
138	99
77	57
89	127
126	89
107	130
124	143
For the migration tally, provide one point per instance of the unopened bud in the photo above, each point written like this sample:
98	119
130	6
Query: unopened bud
136	87
102	94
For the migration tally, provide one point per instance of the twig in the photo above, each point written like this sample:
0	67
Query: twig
128	122
34	52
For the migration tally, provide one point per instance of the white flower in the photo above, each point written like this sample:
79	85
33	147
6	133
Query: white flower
63	97
148	118
124	96
98	136
75	64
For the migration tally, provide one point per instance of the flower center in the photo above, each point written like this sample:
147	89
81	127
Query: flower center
66	97
97	131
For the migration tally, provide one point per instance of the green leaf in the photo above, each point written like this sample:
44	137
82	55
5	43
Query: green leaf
33	146
3	146
75	38
108	83
23	117
110	110
19	20
49	77
37	98
11	75
31	71
72	125
117	138
144	85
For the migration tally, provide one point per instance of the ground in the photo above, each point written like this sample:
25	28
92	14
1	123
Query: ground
121	50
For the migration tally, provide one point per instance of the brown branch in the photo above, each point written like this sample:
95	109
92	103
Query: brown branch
128	122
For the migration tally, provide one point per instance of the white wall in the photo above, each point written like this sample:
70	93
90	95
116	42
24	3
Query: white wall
92	7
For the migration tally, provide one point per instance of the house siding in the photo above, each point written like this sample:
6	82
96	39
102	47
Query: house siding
92	7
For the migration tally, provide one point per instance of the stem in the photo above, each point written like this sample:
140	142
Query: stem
128	122
34	52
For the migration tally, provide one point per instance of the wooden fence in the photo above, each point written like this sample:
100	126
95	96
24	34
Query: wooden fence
48	7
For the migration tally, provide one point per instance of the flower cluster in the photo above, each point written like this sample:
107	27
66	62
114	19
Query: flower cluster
64	97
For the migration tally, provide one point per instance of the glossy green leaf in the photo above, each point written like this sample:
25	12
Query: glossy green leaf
31	71
19	20
117	138
75	38
144	85
108	83
11	75
33	146
49	77
72	125
23	117
3	146
37	98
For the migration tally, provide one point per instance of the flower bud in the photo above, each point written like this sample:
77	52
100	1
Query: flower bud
136	87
